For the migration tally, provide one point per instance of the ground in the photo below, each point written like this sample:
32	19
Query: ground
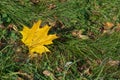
88	47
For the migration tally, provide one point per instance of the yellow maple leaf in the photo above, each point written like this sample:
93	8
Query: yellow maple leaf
36	38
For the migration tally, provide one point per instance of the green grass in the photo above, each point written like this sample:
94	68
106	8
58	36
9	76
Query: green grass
89	57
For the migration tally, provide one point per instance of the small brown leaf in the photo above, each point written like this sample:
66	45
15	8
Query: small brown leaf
84	37
107	31
113	62
12	26
24	76
108	25
68	64
78	33
47	73
51	6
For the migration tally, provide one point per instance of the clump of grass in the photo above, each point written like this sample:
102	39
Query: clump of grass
21	11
